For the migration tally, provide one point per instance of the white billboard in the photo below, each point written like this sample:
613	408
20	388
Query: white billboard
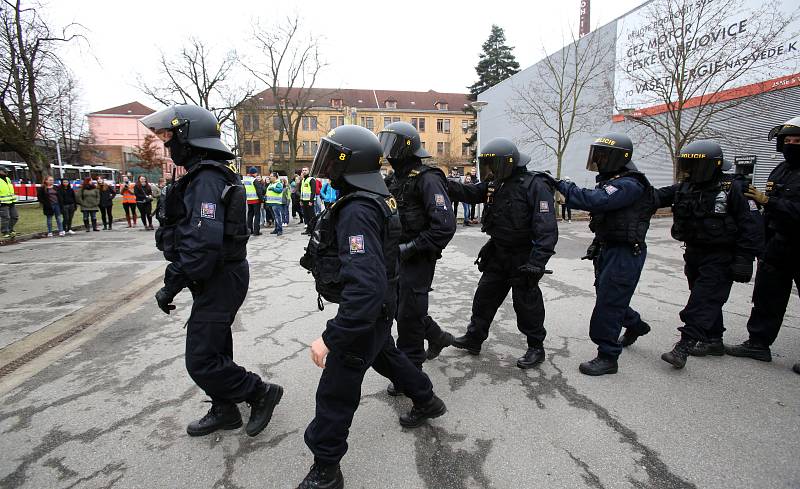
724	45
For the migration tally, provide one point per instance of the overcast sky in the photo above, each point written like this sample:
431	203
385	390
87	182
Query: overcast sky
404	45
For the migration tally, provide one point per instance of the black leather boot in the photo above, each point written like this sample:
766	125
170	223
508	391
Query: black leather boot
467	343
600	365
393	391
419	413
750	349
630	335
261	407
677	356
533	357
323	477
712	347
221	416
435	347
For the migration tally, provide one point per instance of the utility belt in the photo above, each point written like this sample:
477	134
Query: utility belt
596	248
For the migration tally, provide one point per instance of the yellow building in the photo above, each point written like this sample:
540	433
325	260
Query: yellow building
441	119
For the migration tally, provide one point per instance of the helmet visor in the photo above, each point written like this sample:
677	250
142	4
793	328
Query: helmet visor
501	165
161	120
394	145
697	170
330	160
598	159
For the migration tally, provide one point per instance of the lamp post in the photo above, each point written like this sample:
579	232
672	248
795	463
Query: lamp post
478	105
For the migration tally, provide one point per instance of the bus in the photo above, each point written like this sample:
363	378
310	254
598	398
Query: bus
25	185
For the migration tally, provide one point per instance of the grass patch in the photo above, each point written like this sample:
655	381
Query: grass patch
32	220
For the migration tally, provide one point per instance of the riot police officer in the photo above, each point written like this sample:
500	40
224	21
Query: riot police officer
520	220
780	264
353	256
723	232
620	207
428	225
204	237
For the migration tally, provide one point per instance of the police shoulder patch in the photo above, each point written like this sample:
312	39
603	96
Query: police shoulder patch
208	210
610	189
438	200
544	206
356	244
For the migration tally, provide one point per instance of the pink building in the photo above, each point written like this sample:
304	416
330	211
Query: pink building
117	132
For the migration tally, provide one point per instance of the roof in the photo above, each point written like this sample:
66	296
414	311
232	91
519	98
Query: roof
371	99
131	108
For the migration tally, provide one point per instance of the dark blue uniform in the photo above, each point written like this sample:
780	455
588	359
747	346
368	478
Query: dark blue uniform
359	337
718	224
210	260
520	219
781	263
428	222
619	261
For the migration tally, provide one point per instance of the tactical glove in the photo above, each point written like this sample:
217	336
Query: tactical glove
407	250
164	299
742	269
532	273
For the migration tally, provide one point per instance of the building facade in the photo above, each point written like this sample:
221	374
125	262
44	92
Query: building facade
442	119
116	132
741	128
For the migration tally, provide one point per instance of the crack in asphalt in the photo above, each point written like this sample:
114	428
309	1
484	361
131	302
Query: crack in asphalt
590	478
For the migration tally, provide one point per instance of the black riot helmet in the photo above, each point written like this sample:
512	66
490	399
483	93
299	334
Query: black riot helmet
400	141
789	128
701	162
350	154
193	128
610	153
502	156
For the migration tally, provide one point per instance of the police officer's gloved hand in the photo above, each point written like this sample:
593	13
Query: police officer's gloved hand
164	299
742	269
408	250
532	272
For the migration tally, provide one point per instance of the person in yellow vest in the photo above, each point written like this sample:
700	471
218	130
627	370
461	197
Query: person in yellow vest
253	202
308	195
274	200
128	200
8	208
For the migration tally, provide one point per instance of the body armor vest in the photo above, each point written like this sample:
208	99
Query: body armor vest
784	183
411	202
173	212
322	254
629	224
701	217
507	214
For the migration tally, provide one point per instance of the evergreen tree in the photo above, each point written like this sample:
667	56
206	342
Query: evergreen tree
497	62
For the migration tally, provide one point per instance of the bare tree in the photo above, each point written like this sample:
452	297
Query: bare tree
680	64
288	64
571	95
30	68
64	122
196	75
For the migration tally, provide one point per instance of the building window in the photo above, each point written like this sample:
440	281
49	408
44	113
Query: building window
337	121
389	120
309	148
247	147
441	105
443	125
390	104
246	123
465	125
310	123
336	103
276	124
466	149
418	123
442	149
423	144
256	147
368	122
282	147
254	121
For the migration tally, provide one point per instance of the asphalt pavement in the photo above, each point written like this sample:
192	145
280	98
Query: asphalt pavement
94	393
